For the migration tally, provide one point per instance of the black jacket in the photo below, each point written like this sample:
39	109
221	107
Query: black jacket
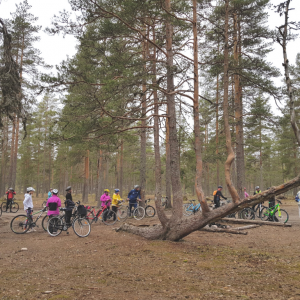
217	196
69	202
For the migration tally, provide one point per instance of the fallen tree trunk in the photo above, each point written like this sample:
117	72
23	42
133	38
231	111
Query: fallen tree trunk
246	227
241	221
223	230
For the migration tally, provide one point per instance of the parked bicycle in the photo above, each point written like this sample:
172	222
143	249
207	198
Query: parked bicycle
191	208
13	206
164	201
22	223
149	210
108	216
80	224
275	214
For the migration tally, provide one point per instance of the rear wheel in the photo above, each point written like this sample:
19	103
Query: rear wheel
281	217
187	209
81	227
139	213
45	222
20	224
122	212
3	206
109	217
265	214
248	214
150	211
55	226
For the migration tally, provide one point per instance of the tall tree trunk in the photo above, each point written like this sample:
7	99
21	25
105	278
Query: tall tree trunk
199	164
121	168
85	193
168	166
240	163
230	152
3	156
38	166
12	149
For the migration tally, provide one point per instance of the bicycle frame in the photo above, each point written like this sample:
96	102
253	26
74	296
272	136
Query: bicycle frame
95	216
193	207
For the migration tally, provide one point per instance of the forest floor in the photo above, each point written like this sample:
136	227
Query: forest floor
264	264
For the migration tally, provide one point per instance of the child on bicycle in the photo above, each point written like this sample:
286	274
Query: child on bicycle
28	204
116	200
53	203
10	195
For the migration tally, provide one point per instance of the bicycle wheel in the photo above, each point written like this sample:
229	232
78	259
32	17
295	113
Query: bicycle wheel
282	218
45	222
265	214
187	209
109	217
14	207
123	212
3	206
150	211
81	226
55	226
20	224
139	213
247	214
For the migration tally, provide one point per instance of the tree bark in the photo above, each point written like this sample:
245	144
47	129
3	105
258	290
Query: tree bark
168	166
85	193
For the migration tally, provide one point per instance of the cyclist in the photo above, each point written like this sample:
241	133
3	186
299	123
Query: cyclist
28	204
69	204
217	196
257	191
105	198
50	193
116	200
134	196
10	195
245	193
53	203
271	201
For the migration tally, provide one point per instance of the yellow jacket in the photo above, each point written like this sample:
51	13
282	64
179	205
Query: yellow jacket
115	200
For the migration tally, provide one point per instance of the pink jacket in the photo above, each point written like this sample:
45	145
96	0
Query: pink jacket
105	198
246	194
53	199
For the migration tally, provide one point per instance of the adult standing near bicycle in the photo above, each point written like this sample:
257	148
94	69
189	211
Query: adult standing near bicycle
116	200
257	191
9	197
53	203
28	204
217	196
134	196
69	205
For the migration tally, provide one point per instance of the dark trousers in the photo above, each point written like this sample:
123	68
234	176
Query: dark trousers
68	215
217	203
8	202
271	204
132	205
114	208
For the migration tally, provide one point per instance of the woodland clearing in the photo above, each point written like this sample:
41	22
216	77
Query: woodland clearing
115	265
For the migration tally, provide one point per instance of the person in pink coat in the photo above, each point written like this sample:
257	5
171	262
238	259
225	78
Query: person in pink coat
245	193
53	204
105	198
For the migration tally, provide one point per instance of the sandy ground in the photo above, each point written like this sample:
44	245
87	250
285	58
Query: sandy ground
108	265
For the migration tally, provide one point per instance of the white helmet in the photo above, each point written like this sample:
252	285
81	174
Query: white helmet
257	187
55	191
136	186
30	189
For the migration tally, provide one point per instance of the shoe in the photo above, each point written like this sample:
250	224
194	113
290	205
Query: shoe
30	230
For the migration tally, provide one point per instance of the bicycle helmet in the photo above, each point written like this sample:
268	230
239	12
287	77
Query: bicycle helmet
55	191
68	188
106	190
136	186
11	189
220	187
30	189
117	190
257	187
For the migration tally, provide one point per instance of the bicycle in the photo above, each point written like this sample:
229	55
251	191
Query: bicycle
164	201
80	224
189	208
257	209
149	210
122	211
13	206
109	217
275	214
22	223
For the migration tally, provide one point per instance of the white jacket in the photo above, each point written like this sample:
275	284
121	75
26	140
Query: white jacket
28	201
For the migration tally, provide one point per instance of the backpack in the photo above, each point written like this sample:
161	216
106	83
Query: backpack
215	193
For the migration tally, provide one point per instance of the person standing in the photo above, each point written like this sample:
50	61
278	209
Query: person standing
245	193
9	197
50	193
28	204
257	191
69	204
217	196
134	196
53	203
116	200
105	199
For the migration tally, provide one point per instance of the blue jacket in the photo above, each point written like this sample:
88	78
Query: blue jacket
133	195
49	195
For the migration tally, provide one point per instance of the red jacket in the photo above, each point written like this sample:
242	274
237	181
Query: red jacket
10	194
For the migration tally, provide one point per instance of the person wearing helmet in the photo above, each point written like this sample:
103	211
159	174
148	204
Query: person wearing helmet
28	204
9	196
116	200
53	203
217	196
105	198
69	204
50	193
134	196
257	191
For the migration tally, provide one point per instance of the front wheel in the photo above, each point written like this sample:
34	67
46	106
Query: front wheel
14	207
247	214
55	226
45	222
187	209
139	213
20	224
281	216
81	227
150	211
